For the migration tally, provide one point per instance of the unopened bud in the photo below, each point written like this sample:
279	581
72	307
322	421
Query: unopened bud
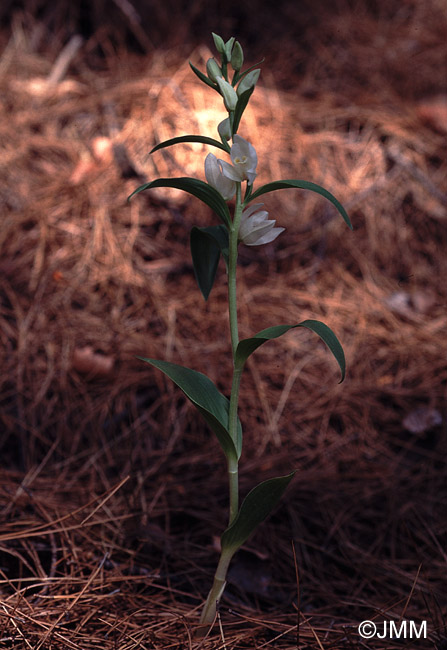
237	57
213	70
228	93
229	47
219	43
248	81
224	129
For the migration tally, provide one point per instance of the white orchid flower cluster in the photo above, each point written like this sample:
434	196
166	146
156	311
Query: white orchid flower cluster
255	227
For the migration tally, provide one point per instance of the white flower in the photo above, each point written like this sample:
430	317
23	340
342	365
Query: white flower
215	177
244	159
256	228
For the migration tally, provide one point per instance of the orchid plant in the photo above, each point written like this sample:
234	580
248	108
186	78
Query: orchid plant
246	223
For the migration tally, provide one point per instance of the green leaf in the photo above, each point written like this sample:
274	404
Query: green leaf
256	506
240	108
191	138
206	246
197	188
238	76
303	185
248	191
247	346
203	77
212	405
245	73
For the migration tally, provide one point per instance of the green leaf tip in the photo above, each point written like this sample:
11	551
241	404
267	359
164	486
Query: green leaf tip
248	346
197	188
191	138
206	246
303	185
202	76
240	107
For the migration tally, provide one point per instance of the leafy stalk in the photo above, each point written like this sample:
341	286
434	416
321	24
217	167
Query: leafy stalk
207	245
256	506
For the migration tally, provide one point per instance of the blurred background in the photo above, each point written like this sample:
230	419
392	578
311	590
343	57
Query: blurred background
112	491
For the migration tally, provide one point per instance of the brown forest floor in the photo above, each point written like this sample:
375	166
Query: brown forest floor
112	493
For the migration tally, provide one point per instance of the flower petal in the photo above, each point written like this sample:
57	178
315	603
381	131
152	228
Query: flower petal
242	148
250	177
215	177
231	172
250	231
244	158
251	210
256	228
267	238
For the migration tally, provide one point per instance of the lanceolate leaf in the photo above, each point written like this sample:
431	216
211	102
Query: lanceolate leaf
243	74
191	138
240	108
213	406
206	246
247	346
220	236
197	188
303	185
238	76
256	506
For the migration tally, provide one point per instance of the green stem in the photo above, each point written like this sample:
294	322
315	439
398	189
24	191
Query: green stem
232	262
209	610
232	306
233	477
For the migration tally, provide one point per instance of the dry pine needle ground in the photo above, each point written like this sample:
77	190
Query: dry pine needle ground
112	493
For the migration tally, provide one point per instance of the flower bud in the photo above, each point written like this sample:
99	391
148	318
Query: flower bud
248	81
237	57
228	93
219	43
213	70
224	129
229	47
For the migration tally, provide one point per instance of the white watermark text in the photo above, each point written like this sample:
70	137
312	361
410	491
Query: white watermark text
393	630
